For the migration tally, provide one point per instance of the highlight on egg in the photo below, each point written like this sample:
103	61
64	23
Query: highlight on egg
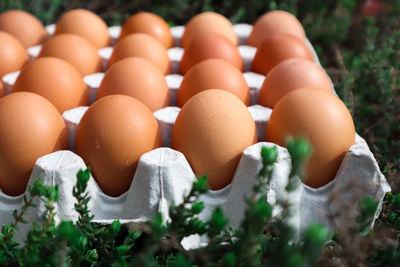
30	127
138	78
12	54
54	79
74	49
148	23
210	74
212	130
112	136
321	118
145	46
290	75
275	22
208	22
210	45
86	24
23	26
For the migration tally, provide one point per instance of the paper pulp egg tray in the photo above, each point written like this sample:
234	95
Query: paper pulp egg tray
164	176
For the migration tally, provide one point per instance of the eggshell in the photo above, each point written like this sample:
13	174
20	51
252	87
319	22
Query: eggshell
212	130
30	127
210	45
56	80
148	23
1	90
138	78
12	54
210	74
276	49
208	22
290	75
76	50
23	26
111	137
321	118
275	22
85	24
145	46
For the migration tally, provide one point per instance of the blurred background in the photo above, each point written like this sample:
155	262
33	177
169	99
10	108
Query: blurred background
357	42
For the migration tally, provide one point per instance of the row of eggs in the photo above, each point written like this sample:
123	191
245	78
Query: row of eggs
78	33
212	129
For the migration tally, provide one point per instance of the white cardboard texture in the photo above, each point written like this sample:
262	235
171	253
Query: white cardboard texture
164	176
8	81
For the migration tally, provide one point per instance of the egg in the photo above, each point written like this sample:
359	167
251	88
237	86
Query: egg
212	130
289	75
145	46
12	54
276	49
76	50
138	78
210	45
275	22
85	24
322	119
210	74
111	137
148	23
208	22
30	127
23	26
56	80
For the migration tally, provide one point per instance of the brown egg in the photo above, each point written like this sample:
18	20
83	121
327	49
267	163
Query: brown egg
56	80
212	130
208	22
290	75
85	24
76	50
148	23
12	54
138	78
276	49
30	127
210	45
321	118
1	90
22	25
111	137
275	22
210	74
145	46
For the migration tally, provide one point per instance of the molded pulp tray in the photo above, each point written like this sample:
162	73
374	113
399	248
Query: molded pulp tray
164	176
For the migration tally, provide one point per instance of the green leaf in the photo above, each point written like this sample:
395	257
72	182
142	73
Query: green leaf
115	226
201	184
229	260
263	208
217	221
269	155
299	149
313	241
197	207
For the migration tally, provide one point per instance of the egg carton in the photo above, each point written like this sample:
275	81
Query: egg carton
164	176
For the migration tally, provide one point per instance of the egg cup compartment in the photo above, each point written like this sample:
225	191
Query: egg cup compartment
164	176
